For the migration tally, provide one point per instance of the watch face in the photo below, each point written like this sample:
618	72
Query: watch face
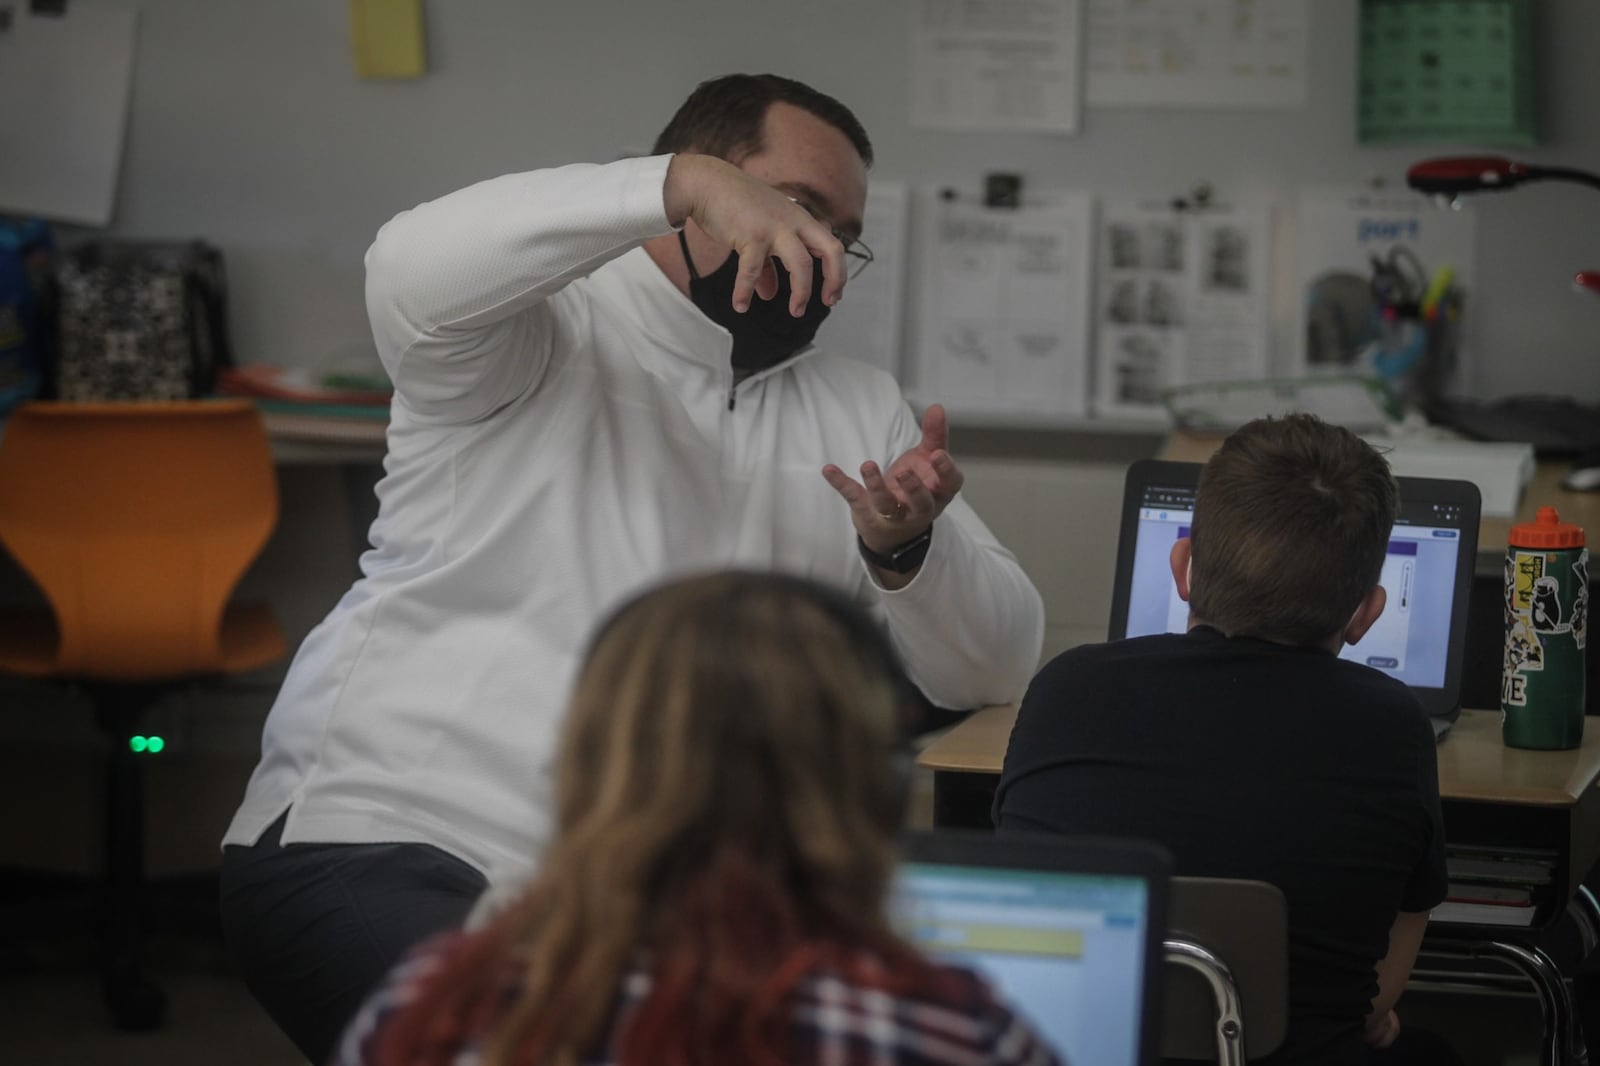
910	556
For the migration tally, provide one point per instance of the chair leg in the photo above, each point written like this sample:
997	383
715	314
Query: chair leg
1224	990
1585	911
136	1002
1562	1043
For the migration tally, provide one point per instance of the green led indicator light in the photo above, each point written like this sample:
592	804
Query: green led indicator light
141	745
154	745
138	744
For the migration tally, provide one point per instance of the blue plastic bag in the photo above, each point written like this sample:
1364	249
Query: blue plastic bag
25	249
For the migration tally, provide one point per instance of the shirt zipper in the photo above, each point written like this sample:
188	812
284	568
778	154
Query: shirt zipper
733	386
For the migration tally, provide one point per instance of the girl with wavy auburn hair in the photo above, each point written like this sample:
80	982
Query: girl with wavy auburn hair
728	802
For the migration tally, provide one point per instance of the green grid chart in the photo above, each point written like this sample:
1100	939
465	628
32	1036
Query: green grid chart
1446	70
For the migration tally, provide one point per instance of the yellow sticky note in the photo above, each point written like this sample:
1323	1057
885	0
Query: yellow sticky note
386	38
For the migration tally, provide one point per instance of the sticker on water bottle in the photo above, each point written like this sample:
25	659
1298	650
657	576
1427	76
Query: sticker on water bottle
1546	609
1537	595
1527	570
1580	598
1523	650
1527	595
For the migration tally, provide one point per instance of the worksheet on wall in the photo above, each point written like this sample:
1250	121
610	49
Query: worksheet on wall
64	82
1181	299
1004	309
996	65
866	323
1197	53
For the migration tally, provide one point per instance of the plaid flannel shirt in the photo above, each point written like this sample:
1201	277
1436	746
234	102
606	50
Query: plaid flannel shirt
833	1021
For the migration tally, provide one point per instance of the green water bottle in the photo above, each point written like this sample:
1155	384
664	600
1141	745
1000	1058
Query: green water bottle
1547	621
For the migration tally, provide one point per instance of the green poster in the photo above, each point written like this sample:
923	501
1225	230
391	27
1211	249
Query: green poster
1446	70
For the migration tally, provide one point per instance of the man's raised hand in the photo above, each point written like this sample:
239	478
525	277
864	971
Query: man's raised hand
760	224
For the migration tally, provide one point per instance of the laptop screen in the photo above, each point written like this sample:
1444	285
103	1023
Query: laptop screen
1426	575
1069	951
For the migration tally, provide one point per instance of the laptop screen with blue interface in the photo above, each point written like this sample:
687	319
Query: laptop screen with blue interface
1068	951
1425	575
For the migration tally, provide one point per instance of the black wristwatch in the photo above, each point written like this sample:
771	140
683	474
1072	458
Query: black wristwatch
901	559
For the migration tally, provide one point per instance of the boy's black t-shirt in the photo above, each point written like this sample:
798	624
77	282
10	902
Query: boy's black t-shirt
1254	760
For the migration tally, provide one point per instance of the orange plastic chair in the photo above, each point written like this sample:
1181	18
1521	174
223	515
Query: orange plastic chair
136	520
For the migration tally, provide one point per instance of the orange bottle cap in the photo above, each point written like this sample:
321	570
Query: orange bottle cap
1547	531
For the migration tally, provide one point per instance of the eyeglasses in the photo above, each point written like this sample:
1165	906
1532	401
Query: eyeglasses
854	247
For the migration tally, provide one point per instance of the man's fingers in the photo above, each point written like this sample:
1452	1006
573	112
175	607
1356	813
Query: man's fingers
922	466
767	283
879	495
918	497
950	476
752	265
846	486
796	259
937	472
830	251
935	429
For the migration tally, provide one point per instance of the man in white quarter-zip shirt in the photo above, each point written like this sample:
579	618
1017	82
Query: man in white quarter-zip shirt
603	378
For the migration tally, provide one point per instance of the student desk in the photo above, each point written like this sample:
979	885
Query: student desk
355	446
1493	795
320	440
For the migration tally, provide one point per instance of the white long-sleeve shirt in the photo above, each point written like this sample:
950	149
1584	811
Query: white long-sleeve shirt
565	432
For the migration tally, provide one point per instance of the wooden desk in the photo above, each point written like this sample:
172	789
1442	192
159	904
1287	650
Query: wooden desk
974	745
308	439
355	446
1474	764
1492	794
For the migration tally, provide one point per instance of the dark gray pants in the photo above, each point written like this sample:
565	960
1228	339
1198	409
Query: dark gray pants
314	927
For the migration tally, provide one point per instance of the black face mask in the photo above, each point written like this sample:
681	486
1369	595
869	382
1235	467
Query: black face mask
766	334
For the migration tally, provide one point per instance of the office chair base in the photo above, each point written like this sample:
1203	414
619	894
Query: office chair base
137	1003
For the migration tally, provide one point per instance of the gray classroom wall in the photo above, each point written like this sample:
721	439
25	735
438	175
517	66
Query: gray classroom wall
249	128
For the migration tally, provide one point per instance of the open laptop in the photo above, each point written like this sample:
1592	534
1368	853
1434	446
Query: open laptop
1067	930
1421	637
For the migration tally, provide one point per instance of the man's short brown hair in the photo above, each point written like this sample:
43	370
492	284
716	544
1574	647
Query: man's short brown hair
1291	524
726	117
